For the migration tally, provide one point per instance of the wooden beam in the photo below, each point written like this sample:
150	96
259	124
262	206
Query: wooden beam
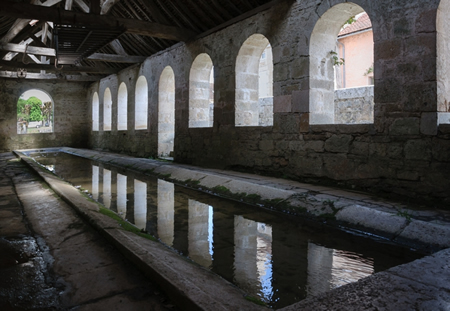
20	24
107	6
112	58
5	65
19	48
95	7
117	47
156	13
51	76
241	17
83	6
143	28
68	5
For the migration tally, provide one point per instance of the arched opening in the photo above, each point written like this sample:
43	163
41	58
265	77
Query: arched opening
107	110
254	83
34	112
201	92
95	112
166	113
443	62
122	107
341	67
141	107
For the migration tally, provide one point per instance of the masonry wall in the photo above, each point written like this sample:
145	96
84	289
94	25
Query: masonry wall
402	152
71	115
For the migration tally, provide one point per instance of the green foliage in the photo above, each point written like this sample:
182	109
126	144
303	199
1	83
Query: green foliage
125	224
350	21
255	300
221	190
369	71
336	60
405	214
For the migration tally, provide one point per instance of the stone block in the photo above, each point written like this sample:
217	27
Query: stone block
300	101
428	233
418	150
443	117
388	49
282	104
338	143
429	123
376	220
304	122
405	126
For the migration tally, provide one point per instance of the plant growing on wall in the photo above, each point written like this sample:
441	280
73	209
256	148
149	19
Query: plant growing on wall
369	71
336	60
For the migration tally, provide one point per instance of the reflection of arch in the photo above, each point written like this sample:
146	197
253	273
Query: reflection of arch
95	112
254	83
35	112
443	61
166	112
122	107
201	90
107	110
322	43
141	107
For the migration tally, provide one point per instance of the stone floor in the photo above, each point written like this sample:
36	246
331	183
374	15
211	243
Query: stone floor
51	260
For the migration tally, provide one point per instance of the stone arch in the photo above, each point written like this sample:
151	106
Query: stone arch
201	92
166	112
443	62
35	112
107	110
122	107
141	104
95	112
323	49
254	84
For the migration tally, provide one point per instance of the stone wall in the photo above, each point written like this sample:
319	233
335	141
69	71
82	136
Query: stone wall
72	118
402	152
353	105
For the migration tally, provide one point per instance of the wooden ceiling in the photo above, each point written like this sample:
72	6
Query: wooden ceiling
86	40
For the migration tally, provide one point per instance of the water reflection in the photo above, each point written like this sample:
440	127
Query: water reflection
140	204
200	233
264	254
166	211
121	195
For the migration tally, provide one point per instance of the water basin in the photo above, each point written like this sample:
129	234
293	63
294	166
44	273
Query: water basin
274	257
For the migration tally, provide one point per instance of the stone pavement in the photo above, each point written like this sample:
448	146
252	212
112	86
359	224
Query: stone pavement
52	260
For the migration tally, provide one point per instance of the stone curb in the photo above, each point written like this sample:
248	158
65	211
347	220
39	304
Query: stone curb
191	286
349	213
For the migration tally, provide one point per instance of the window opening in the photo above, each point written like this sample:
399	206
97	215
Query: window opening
341	67
122	107
141	107
107	110
95	112
34	112
254	83
201	92
166	113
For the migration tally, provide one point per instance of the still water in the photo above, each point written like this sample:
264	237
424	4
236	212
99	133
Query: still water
269	255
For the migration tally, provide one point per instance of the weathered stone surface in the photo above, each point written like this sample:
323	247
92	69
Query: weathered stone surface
433	234
338	143
377	221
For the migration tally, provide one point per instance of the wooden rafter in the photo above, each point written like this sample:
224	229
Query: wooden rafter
5	65
142	28
116	58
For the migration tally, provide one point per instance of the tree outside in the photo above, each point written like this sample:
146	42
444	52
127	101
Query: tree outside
34	113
